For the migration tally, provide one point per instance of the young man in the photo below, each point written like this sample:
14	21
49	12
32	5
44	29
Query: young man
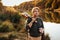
34	25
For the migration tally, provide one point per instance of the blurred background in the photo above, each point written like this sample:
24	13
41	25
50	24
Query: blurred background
13	18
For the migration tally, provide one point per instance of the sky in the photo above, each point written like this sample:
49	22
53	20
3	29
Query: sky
13	2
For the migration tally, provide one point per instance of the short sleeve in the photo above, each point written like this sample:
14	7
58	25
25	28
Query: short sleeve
28	21
40	23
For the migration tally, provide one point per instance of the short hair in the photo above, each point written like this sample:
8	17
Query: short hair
35	8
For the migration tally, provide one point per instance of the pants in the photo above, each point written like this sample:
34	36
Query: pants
33	38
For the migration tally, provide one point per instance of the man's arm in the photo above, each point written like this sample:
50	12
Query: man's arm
41	29
30	24
28	21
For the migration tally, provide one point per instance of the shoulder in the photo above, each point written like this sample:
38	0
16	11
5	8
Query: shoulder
29	18
39	18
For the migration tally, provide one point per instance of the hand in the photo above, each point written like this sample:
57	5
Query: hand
30	24
41	30
33	19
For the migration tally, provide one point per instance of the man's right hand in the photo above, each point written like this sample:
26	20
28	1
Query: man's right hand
33	19
30	24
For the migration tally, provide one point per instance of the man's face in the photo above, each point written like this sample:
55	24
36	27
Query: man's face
36	12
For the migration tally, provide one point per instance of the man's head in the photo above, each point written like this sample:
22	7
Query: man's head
35	11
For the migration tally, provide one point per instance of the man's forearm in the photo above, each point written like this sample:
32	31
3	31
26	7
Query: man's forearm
30	24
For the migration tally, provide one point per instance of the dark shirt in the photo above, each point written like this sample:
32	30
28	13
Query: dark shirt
34	30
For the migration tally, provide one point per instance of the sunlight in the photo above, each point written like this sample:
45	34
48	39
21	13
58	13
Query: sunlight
13	2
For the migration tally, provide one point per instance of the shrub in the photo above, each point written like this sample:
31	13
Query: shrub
15	18
3	17
6	27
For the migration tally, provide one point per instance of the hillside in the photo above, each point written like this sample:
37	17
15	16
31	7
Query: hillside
50	9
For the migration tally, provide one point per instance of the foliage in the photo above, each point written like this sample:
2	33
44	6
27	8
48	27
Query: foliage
15	18
3	17
6	27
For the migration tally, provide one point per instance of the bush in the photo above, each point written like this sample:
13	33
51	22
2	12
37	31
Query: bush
15	18
12	36
3	17
3	38
6	27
